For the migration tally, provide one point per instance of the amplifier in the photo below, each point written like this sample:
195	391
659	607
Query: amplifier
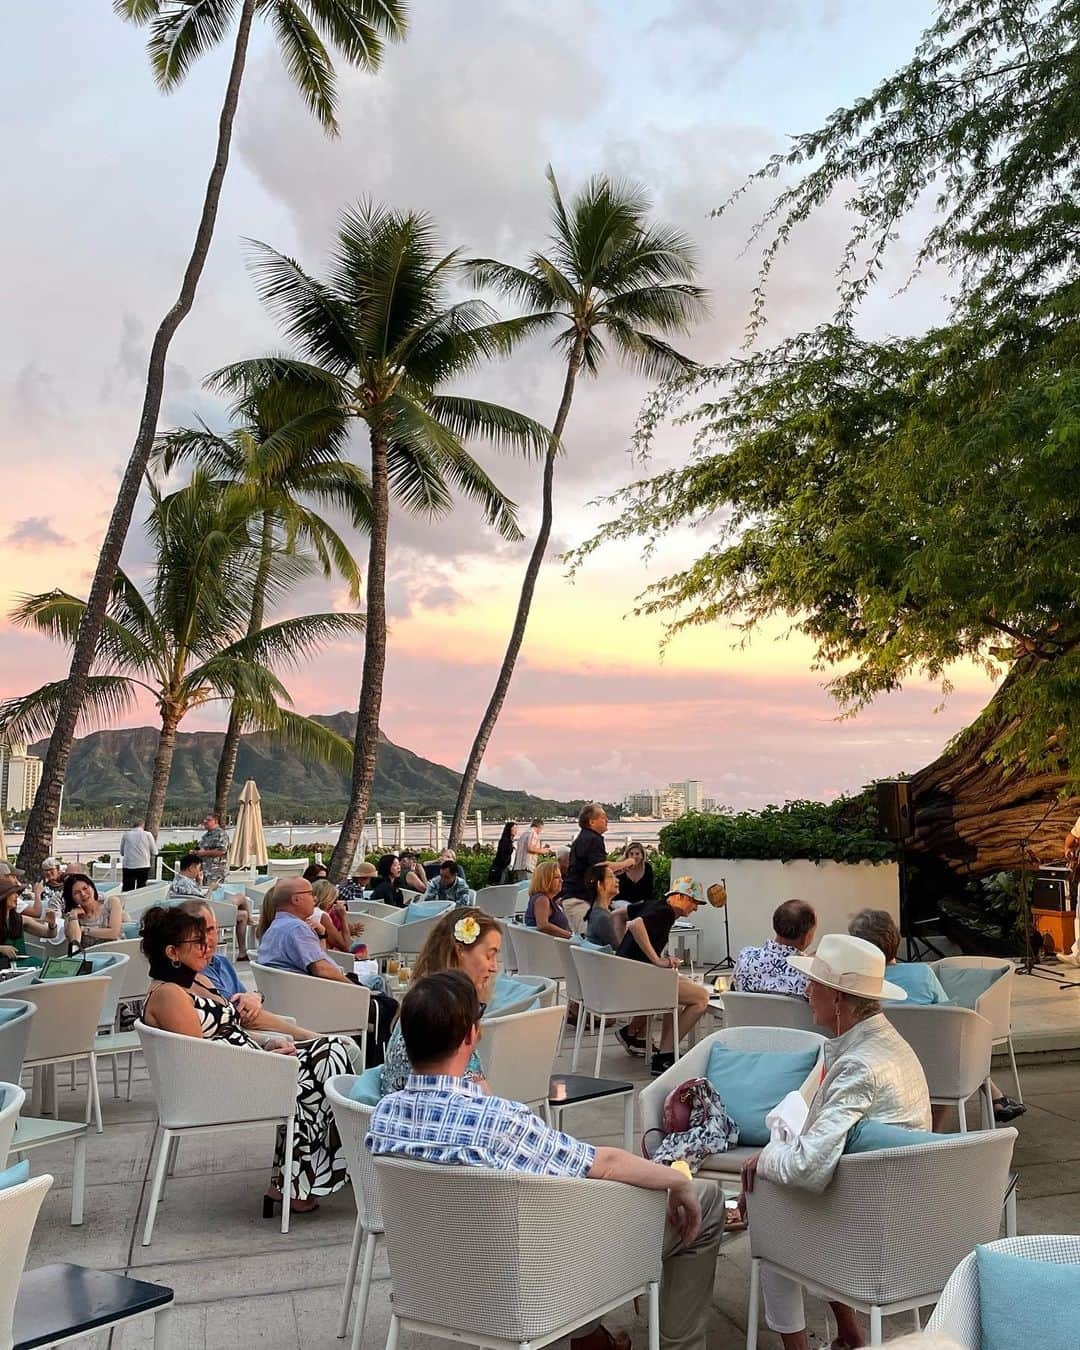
1050	892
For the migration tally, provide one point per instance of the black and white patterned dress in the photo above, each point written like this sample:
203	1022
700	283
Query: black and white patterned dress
318	1164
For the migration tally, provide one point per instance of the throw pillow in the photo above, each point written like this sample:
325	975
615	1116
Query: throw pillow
871	1136
965	985
1025	1303
509	992
366	1087
752	1082
15	1176
424	909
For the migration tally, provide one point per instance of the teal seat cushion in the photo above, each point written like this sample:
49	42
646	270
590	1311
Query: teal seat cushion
751	1083
10	1014
509	993
366	1087
965	985
596	947
1024	1303
424	909
15	1176
130	930
871	1136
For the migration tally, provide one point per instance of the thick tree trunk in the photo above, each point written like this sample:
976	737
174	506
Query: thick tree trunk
230	748
521	618
37	839
976	816
371	683
155	805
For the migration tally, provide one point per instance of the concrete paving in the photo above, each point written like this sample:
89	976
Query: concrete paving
240	1283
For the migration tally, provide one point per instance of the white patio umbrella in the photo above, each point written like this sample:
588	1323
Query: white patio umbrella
248	847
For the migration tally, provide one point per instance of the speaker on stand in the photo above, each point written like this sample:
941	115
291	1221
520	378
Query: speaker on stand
717	897
896	819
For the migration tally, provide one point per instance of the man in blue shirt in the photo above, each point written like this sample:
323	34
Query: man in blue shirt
448	884
440	1117
291	943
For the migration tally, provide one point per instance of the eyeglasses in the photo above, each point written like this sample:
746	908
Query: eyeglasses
193	942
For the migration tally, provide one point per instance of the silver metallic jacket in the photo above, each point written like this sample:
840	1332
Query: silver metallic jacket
871	1073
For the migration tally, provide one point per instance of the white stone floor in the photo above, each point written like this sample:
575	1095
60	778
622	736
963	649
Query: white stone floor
240	1283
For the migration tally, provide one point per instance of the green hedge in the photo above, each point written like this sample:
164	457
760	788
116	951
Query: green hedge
845	830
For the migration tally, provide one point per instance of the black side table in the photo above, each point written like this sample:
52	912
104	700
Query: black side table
571	1089
59	1303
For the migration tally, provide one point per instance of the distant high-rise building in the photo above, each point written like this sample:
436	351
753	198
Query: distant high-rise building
20	774
642	803
693	790
672	801
710	804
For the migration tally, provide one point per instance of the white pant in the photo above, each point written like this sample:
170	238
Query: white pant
784	1311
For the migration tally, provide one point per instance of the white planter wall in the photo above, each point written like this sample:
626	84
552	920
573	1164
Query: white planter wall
836	890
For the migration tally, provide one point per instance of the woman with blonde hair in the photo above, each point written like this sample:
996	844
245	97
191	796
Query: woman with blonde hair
465	939
337	928
545	912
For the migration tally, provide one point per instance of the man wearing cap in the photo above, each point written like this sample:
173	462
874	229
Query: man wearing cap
870	1073
355	887
645	940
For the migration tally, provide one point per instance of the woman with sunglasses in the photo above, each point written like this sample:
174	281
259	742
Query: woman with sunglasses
175	944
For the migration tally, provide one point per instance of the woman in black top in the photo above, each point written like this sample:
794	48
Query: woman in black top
500	866
636	883
386	888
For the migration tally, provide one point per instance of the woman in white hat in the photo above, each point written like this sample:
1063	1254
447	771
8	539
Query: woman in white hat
870	1073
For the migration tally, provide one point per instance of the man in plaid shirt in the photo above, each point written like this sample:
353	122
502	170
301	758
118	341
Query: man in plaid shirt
438	1117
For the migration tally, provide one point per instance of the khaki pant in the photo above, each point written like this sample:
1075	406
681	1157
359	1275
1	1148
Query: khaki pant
577	911
686	1290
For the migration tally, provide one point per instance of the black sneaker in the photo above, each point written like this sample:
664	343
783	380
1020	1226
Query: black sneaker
633	1045
1006	1109
661	1063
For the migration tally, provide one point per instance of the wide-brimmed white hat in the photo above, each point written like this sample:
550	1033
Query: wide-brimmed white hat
849	964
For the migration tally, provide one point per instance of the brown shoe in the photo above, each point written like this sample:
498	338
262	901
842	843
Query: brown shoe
601	1339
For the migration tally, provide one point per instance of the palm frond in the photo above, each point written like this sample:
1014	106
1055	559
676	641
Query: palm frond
137	11
522	286
671	308
310	313
309	739
182	33
646	354
291	641
32	716
307	61
357	28
504	428
219	455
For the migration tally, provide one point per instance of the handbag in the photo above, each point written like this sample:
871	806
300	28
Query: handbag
693	1125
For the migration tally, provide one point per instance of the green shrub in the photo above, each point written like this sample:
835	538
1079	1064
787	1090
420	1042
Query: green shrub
845	830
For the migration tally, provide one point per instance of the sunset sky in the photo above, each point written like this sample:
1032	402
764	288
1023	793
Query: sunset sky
105	177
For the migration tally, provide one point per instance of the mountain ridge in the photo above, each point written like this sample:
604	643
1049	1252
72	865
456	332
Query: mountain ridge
109	773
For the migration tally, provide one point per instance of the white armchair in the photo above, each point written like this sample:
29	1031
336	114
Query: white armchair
995	1004
352	1122
318	1005
613	986
518	1054
954	1046
204	1086
767	1010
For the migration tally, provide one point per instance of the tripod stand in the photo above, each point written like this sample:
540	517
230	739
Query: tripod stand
726	962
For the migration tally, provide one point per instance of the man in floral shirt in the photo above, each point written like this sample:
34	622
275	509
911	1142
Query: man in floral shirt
766	969
213	851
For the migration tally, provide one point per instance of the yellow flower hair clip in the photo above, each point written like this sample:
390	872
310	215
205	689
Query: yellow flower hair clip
466	931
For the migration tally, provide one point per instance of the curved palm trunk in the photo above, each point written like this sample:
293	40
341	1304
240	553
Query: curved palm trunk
521	618
226	770
371	683
37	839
155	805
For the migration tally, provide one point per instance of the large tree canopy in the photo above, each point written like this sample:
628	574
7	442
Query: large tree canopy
913	502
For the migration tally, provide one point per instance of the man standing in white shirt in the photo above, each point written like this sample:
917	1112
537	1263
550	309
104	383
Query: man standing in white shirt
138	849
526	851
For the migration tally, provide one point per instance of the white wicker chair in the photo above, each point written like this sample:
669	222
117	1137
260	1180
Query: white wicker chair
11	1099
540	1233
501	902
352	1122
507	952
202	1086
412	936
287	867
56	1035
380	936
19	1207
518	1053
954	1046
957	1313
767	1010
317	1005
725	1167
995	1004
539	953
613	986
886	1233
14	1037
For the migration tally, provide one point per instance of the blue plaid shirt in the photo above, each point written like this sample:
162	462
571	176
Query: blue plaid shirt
439	1119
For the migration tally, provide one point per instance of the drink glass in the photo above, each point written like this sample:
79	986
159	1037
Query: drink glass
393	965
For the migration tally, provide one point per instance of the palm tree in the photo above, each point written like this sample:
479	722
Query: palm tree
380	338
609	279
180	32
283	461
186	643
